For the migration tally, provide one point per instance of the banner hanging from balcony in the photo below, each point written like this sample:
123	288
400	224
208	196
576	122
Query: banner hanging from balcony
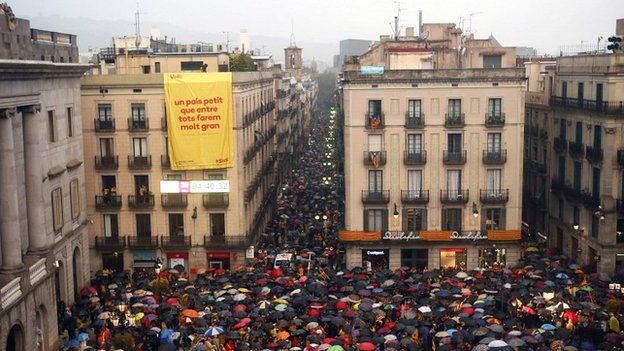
199	120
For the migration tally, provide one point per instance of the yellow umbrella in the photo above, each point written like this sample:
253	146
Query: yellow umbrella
139	316
281	301
244	290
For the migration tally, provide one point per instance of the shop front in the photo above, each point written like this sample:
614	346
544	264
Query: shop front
415	258
144	260
178	261
453	257
218	260
113	260
492	257
376	258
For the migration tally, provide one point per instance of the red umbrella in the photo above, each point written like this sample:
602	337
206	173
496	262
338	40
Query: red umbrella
88	291
341	305
314	312
239	308
173	301
529	310
366	346
349	313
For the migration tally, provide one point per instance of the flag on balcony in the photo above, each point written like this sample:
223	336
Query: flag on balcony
375	121
375	158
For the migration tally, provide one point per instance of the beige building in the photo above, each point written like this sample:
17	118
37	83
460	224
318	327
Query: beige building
125	136
574	114
433	156
43	222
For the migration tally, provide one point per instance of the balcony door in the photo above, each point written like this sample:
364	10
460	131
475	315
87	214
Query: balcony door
413	108
494	107
493	143
217	224
106	147
454	143
453	183
139	147
105	112
493	184
578	135
176	224
374	142
599	95
597	137
143	225
138	112
374	108
141	184
111	225
414	183
454	108
109	182
375	181
414	144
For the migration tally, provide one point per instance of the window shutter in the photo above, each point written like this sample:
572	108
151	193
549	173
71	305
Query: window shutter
424	219
384	220
444	224
483	214
365	216
503	220
404	221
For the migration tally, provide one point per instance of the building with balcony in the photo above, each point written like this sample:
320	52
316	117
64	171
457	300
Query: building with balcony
574	178
271	111
44	245
440	191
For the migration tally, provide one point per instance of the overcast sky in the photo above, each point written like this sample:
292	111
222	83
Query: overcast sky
542	24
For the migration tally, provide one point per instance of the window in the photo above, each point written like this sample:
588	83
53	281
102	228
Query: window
106	147
415	219
562	129
208	175
576	216
493	184
579	94
415	258
413	108
70	123
143	225
374	108
494	107
146	69
51	127
452	219
139	147
157	67
561	171
494	219
138	111
111	225
577	175
414	144
564	90
595	226
105	112
579	133
597	137
375	220
74	198
596	183
141	185
492	61
57	209
191	65
454	108
454	142
176	224
375	181
374	142
414	182
217	224
493	142
560	207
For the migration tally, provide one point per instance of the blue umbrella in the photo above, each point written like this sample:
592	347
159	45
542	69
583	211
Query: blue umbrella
214	331
548	327
587	346
83	337
562	276
72	343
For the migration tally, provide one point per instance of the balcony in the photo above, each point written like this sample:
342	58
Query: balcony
216	200
174	200
415	158
226	242
494	157
414	122
560	145
141	201
454	157
415	196
576	150
138	125
175	242
543	134
165	162
163	124
534	130
456	120
557	186
537	167
593	155
107	202
493	121
454	196
374	122
106	163
375	158
139	162
375	196
494	197
110	243
606	107
143	242
104	125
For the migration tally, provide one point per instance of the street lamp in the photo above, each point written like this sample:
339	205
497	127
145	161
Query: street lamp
395	214
475	210
317	217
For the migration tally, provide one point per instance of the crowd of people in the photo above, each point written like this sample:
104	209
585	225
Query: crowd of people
312	302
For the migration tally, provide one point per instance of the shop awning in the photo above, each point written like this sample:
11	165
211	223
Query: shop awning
144	264
353	235
504	235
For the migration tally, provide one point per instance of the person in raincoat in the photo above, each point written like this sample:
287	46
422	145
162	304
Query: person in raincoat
614	323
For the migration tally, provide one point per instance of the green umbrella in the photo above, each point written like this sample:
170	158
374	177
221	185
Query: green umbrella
281	307
336	348
587	288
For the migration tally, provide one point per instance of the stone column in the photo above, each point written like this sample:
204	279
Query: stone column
11	241
32	121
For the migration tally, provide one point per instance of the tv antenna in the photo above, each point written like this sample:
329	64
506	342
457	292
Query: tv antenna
397	30
470	21
137	27
293	42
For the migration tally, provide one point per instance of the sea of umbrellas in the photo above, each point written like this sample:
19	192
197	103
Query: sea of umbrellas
547	302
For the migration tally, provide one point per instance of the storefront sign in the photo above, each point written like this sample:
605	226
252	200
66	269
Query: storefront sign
144	256
250	252
221	255
375	252
397	236
194	186
473	235
372	70
177	255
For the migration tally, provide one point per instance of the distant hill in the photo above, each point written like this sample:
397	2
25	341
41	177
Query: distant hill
94	34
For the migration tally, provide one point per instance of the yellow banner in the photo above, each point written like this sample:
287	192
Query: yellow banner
199	120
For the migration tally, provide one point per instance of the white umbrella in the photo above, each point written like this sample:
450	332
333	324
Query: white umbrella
461	275
497	343
239	297
424	309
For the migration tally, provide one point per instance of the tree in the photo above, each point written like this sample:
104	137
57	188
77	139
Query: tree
242	63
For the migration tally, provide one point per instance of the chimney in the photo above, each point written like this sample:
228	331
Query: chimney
619	26
409	32
419	22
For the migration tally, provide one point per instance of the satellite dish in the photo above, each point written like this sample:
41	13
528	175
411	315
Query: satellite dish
424	35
